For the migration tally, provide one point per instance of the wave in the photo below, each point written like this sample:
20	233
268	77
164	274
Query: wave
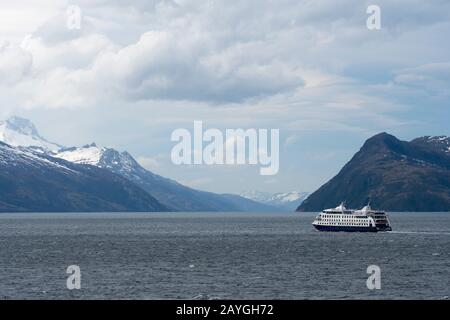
421	232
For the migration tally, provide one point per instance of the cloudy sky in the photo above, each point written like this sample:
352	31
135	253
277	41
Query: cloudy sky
137	70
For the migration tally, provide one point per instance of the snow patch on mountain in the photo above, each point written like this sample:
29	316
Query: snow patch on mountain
89	154
23	156
19	132
440	142
285	200
288	197
108	158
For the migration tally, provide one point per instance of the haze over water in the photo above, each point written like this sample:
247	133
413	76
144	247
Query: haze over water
219	255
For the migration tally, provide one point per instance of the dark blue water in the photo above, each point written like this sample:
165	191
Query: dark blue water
228	256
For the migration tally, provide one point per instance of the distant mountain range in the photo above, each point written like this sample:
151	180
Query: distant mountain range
38	175
170	193
288	201
393	175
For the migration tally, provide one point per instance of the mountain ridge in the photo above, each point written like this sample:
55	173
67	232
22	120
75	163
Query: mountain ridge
169	193
394	175
32	181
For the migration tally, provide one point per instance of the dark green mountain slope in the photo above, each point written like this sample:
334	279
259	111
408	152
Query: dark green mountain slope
33	181
395	175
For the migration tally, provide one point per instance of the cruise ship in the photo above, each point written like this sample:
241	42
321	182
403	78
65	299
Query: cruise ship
343	219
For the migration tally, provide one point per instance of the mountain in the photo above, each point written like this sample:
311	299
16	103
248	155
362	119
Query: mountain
394	175
170	193
288	201
31	180
21	132
440	144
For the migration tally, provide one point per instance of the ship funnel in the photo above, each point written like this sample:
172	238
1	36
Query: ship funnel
341	207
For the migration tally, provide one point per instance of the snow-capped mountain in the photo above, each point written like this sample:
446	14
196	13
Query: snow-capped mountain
169	193
21	132
88	154
289	197
438	143
103	157
287	201
23	156
31	180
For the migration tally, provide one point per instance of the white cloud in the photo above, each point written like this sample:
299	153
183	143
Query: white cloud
15	64
21	17
433	76
152	164
215	52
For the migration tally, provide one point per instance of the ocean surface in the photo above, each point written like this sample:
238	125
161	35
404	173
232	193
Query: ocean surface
219	256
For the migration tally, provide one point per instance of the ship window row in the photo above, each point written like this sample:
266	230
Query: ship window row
346	224
335	219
